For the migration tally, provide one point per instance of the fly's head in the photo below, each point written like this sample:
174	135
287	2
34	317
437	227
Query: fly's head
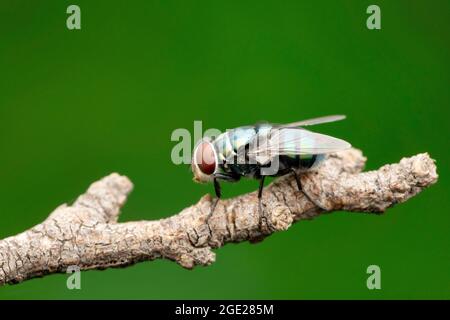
204	162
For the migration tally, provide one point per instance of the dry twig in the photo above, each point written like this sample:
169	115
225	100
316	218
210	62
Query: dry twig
86	233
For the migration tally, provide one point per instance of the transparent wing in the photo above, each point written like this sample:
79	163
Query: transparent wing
289	141
311	122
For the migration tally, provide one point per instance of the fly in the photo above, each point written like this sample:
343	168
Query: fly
263	150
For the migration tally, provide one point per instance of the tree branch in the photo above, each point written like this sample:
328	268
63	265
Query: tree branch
86	234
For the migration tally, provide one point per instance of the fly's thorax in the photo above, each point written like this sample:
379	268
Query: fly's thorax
232	146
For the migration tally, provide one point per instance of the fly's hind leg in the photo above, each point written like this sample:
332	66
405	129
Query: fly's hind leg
260	208
299	185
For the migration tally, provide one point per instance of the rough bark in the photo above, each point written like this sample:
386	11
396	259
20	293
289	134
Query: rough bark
86	234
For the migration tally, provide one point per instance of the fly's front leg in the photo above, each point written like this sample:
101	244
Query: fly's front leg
299	185
216	200
217	188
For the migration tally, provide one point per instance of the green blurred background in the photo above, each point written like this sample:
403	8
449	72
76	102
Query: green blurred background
77	105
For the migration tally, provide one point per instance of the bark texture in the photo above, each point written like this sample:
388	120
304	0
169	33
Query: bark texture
86	233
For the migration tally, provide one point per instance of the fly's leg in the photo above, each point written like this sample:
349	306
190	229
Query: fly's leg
299	185
260	208
217	188
216	200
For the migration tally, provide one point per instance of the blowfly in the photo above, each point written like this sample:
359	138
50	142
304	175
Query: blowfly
263	150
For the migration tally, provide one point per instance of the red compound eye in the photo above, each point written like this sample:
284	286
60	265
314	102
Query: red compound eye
205	158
